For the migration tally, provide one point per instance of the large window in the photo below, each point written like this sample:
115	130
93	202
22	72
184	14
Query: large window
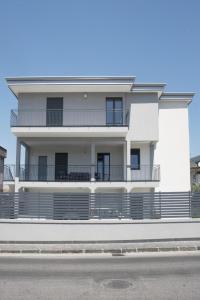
135	159
114	111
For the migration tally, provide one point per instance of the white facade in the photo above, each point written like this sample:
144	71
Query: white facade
153	123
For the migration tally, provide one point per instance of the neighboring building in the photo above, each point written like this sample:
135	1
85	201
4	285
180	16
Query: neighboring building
3	153
99	134
195	169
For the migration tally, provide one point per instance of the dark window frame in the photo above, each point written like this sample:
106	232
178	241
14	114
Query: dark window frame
114	99
135	151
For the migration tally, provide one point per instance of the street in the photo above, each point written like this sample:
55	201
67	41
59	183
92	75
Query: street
169	276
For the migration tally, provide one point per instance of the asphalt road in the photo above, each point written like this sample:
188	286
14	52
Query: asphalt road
100	277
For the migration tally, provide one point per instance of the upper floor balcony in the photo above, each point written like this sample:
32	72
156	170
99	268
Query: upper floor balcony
102	122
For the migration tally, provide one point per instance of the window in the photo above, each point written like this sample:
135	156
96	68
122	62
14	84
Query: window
114	111
135	159
54	112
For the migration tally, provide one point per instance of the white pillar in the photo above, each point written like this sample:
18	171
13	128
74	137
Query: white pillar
128	159
27	155
125	163
16	184
93	156
18	157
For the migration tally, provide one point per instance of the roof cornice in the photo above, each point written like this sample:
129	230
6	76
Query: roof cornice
187	97
148	88
71	79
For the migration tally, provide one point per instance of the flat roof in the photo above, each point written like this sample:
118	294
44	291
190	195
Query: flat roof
62	84
42	84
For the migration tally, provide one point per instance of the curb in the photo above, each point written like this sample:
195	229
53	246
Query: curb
114	252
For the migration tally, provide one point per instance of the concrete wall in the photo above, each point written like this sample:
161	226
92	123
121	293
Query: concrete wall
96	231
172	150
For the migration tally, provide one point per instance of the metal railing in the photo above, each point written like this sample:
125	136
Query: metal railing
146	173
70	173
87	173
84	206
81	173
68	118
9	173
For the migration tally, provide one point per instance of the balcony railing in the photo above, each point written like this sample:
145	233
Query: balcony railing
81	173
68	118
9	172
71	173
146	173
77	173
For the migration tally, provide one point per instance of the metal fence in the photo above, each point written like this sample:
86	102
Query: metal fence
84	206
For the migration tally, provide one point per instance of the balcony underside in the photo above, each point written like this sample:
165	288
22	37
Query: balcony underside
96	131
88	185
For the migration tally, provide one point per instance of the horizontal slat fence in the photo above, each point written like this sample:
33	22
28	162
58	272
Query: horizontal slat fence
84	206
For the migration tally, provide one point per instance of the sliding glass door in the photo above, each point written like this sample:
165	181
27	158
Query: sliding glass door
103	166
54	115
114	111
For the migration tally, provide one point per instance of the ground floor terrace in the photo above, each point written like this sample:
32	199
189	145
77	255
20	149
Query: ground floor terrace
84	163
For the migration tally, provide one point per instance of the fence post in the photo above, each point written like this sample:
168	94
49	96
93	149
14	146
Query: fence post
190	204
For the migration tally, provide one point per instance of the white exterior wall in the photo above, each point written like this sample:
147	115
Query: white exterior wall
172	151
77	110
143	114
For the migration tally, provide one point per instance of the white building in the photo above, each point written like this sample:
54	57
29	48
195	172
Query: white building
99	134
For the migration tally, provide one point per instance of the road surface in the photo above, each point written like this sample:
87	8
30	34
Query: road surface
100	277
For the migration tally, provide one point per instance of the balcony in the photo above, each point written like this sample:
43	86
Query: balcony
68	118
87	173
69	123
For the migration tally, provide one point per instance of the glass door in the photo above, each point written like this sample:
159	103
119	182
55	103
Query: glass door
114	111
61	166
42	168
103	166
54	113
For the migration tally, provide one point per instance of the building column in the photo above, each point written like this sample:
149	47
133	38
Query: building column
128	160
18	157
93	160
27	156
125	163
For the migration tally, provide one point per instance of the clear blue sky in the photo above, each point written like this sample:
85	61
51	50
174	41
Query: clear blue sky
157	41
